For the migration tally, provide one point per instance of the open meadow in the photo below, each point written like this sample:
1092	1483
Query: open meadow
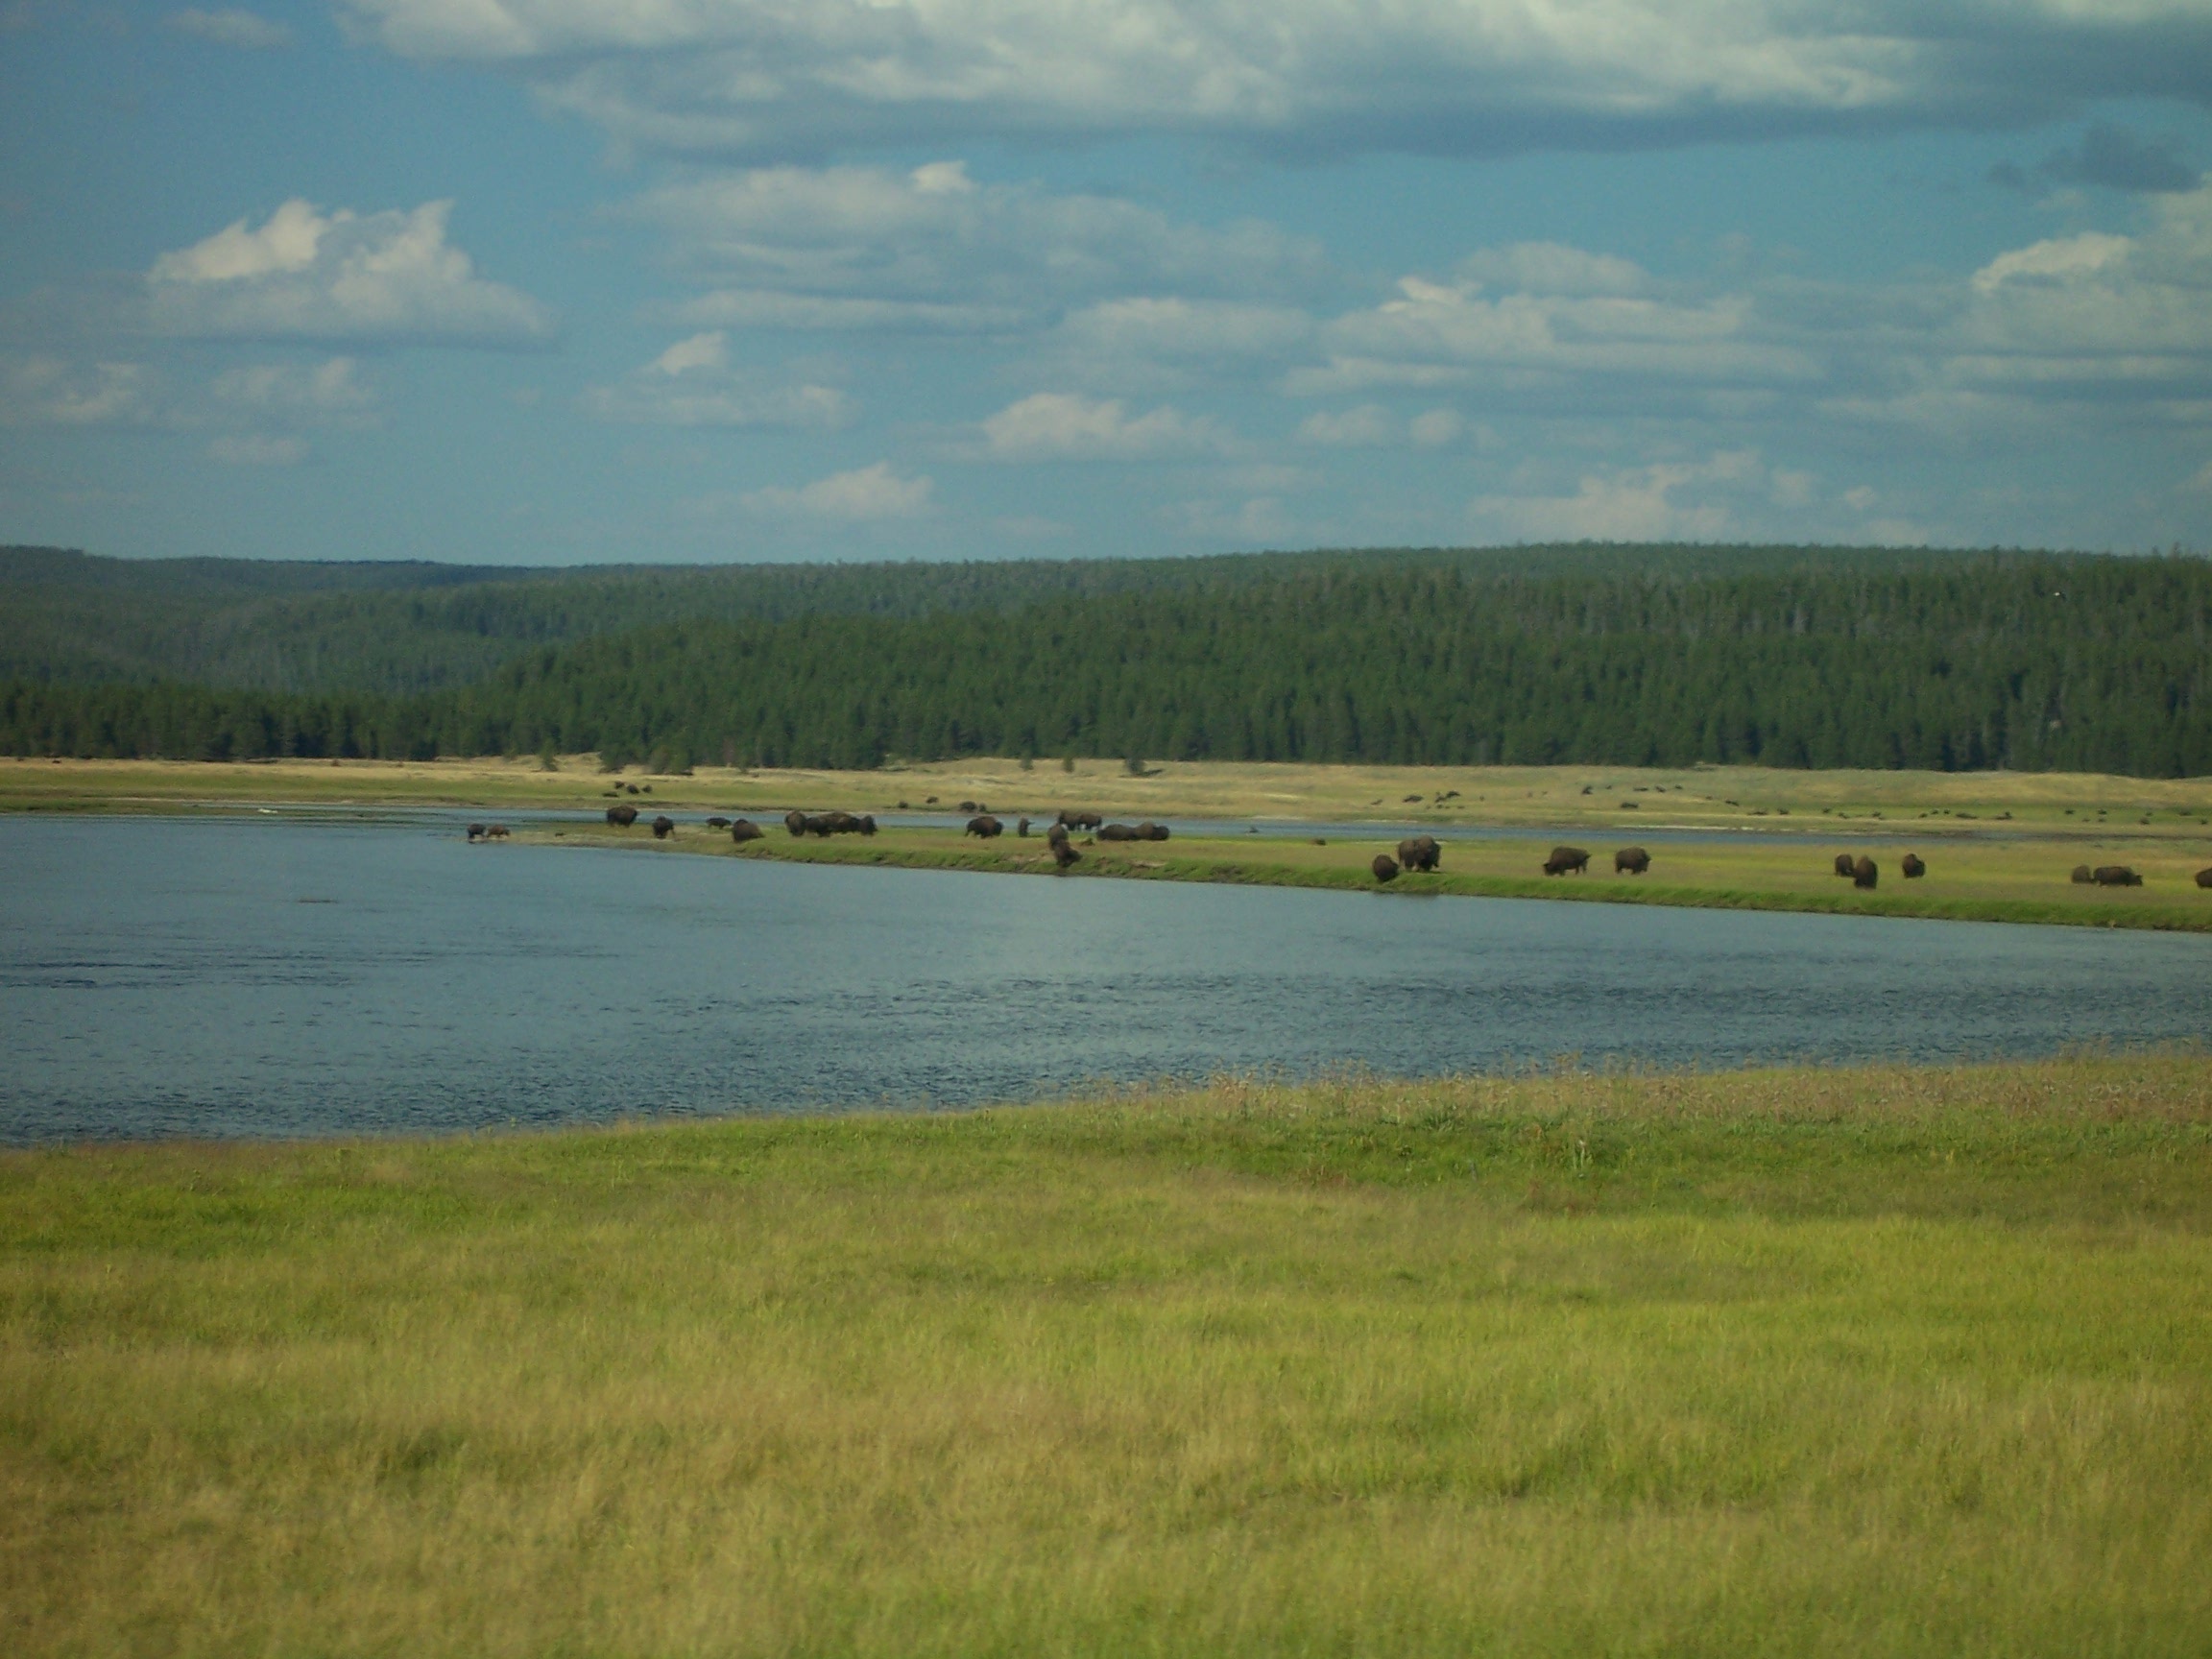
1862	1361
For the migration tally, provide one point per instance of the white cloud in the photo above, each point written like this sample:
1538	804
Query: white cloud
329	392
693	384
791	238
231	27
867	494
1066	426
791	77
258	449
1638	504
2062	260
1554	268
304	274
765	308
49	391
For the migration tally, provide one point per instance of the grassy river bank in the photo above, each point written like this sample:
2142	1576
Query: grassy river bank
1866	1361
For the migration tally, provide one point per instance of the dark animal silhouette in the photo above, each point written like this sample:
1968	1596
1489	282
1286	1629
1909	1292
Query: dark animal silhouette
795	821
1846	866
1063	854
2115	876
718	823
2204	876
867	824
664	826
1566	859
1863	874
476	831
1084	820
1022	828
1151	832
1057	835
1116	832
497	833
622	817
1386	867
1912	866
2083	874
744	830
838	823
984	826
1633	859
1419	853
967	807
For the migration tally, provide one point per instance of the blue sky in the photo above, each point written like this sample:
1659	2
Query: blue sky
558	282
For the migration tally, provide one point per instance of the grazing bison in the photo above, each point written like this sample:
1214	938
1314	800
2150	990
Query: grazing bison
1566	859
1116	832
968	807
1633	859
1057	835
1023	829
1913	867
664	826
622	817
867	823
2204	876
1386	867
1846	866
744	830
795	821
1419	853
2083	874
984	826
2115	876
717	821
1863	874
497	833
1063	854
1151	832
1085	820
476	831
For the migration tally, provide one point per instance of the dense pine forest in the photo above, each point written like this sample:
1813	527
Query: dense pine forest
1785	657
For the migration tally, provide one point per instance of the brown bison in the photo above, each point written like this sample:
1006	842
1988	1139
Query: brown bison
867	823
717	821
1063	854
622	817
1863	874
1846	866
970	807
795	821
2204	876
2083	874
2115	876
837	823
1118	832
1151	832
1419	853
664	826
1085	820
744	830
497	833
1566	859
1633	859
1023	829
985	826
1386	867
476	831
1912	866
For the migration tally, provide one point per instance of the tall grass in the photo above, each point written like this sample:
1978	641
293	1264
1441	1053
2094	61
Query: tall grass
1875	1361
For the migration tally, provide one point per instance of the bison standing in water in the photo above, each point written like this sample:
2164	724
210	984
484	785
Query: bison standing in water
2115	876
664	826
497	833
2082	875
1566	859
622	817
1386	867
744	830
984	826
1419	853
1633	859
1912	866
476	831
1846	866
1863	874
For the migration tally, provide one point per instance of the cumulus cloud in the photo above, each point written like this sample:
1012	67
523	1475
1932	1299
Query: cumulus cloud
1066	426
231	27
845	246
44	391
865	494
789	78
1669	501
328	392
258	449
303	274
694	384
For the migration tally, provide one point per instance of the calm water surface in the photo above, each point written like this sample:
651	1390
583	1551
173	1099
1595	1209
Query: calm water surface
164	976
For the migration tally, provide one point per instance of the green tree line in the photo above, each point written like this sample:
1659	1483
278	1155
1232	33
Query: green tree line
2032	663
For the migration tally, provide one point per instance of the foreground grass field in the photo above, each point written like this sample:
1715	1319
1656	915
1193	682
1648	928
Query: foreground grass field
1874	1361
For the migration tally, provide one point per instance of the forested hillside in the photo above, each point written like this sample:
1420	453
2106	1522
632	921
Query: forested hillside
2021	661
403	628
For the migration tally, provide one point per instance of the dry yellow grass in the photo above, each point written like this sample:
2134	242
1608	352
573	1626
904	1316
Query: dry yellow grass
1858	1362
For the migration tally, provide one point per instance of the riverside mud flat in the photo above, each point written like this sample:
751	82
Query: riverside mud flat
1995	878
1882	1361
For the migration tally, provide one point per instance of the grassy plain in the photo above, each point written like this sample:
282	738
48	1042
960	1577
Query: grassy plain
1869	1362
